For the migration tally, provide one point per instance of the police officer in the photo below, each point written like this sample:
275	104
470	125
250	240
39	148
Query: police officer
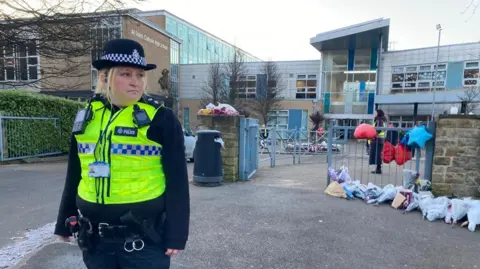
376	145
126	195
264	132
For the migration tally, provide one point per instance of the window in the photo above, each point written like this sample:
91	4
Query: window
247	87
418	78
100	34
171	26
186	118
19	62
174	67
94	78
306	87
278	119
471	74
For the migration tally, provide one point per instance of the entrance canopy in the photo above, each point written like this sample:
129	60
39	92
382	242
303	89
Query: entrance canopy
359	36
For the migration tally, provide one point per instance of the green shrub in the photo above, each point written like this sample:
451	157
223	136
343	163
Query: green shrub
30	137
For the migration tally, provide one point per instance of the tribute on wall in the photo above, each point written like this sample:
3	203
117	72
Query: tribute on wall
165	85
164	81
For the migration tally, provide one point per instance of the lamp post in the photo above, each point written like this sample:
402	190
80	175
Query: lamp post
439	29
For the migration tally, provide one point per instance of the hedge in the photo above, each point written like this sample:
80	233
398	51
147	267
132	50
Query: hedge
31	137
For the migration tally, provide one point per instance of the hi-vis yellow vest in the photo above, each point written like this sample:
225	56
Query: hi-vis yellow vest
136	172
381	134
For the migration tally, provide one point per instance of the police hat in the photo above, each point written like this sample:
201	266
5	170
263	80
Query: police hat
123	52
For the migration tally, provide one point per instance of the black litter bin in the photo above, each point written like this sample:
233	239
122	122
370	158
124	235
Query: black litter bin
208	168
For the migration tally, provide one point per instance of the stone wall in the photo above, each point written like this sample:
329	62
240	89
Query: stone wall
456	164
229	126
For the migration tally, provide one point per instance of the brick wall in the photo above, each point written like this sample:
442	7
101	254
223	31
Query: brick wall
456	164
229	126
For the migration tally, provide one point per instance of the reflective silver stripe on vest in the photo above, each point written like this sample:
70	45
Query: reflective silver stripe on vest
136	150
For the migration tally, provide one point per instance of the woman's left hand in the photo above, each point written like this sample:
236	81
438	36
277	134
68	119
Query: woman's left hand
171	252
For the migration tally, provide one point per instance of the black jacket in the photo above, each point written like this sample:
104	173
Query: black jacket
166	130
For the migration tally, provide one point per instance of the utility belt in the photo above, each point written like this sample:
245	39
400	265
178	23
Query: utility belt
133	231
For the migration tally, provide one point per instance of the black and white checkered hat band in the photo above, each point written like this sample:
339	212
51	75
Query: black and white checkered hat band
125	58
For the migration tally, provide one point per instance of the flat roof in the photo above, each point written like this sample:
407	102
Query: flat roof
360	36
434	47
441	97
165	13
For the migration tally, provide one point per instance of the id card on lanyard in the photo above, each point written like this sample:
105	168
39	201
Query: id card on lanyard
99	169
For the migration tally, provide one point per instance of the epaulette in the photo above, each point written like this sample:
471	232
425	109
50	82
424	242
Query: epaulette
96	97
147	99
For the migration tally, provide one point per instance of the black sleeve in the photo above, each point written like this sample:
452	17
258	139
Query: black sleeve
68	205
167	130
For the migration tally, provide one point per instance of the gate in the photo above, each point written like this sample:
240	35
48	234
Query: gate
26	137
294	146
248	153
355	157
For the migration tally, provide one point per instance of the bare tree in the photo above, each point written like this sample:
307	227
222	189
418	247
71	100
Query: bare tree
214	89
470	98
317	119
268	95
235	71
59	32
471	8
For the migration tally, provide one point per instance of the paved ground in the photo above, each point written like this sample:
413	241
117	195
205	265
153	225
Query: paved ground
29	197
281	219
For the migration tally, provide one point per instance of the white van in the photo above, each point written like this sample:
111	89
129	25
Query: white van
190	141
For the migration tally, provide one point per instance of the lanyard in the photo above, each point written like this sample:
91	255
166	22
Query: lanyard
99	146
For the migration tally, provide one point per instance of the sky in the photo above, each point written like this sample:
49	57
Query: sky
281	30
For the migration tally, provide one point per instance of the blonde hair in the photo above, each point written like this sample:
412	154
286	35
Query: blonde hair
105	88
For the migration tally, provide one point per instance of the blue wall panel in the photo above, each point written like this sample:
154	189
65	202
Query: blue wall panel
294	119
454	76
326	103
351	59
362	91
373	59
371	103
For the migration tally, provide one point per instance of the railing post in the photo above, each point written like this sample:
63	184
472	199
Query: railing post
299	135
430	150
246	161
294	144
273	145
329	149
1	137
417	160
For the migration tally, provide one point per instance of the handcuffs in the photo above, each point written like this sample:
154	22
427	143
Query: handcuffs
136	244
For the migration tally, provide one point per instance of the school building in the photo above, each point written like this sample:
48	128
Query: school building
168	41
356	74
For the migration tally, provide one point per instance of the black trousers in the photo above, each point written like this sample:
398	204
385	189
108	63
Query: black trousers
110	254
375	155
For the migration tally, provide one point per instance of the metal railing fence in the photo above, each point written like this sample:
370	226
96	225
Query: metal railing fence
27	137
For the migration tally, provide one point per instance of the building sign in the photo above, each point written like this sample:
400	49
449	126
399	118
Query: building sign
148	39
